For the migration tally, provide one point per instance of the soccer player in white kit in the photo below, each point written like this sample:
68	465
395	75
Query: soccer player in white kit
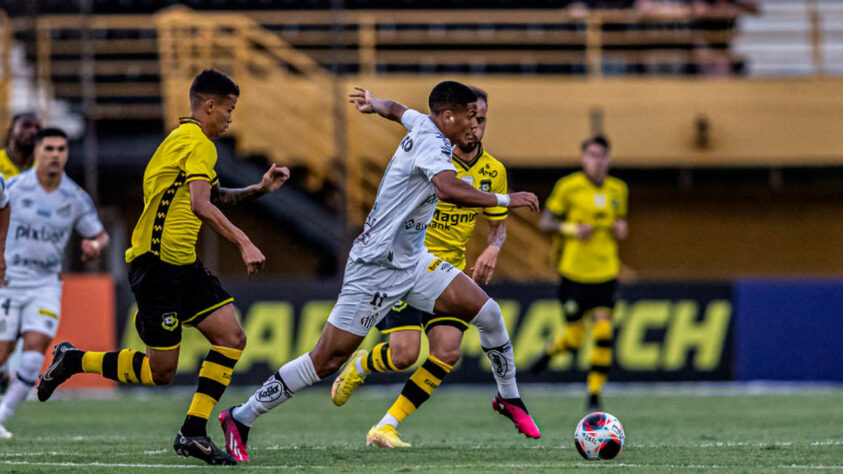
389	262
46	207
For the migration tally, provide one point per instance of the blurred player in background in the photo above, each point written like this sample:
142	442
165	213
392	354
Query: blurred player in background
388	261
18	156
446	238
46	207
586	212
171	286
14	159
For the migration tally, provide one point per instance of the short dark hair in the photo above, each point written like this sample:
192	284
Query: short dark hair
49	132
480	93
450	95
600	140
211	82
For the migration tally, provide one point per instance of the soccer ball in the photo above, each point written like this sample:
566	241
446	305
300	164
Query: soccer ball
599	436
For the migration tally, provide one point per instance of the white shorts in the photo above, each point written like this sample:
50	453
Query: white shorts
369	291
29	309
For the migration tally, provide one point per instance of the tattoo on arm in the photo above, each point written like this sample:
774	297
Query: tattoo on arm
227	196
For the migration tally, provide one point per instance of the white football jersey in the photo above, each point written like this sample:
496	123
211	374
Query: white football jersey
393	235
40	226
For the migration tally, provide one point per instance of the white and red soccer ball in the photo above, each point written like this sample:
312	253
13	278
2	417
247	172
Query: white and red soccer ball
599	436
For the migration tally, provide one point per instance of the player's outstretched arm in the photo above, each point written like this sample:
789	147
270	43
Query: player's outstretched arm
451	189
200	204
272	180
366	103
92	247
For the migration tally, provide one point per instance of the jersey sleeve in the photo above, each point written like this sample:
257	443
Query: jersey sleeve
201	161
624	201
557	202
499	186
433	156
88	223
411	118
4	193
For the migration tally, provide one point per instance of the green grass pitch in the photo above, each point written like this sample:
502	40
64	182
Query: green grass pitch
669	429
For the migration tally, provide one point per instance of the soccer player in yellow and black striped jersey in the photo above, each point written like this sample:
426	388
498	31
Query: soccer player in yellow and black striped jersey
171	286
447	237
586	212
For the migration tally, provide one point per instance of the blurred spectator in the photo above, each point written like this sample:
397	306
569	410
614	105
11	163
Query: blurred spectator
712	54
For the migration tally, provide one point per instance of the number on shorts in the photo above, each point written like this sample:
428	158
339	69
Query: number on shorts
6	305
377	300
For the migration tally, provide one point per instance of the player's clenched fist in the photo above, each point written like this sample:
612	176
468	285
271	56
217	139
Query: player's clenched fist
252	257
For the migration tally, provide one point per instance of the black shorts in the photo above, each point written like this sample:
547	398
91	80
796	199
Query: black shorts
169	296
580	298
403	317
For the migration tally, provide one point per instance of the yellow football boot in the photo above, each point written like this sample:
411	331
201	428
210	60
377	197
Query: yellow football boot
348	380
385	437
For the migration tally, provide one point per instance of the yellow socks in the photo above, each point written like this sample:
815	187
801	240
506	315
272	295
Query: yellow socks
126	366
601	357
379	360
214	377
419	388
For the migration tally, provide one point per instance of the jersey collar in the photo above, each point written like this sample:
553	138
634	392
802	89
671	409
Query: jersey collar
184	120
467	166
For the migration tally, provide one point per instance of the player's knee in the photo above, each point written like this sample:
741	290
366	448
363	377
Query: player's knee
404	357
326	366
448	355
233	340
163	375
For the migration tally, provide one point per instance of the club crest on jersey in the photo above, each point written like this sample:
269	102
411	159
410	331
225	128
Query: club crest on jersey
63	211
486	185
170	321
407	144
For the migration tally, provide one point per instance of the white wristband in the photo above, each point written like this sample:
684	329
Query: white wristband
503	200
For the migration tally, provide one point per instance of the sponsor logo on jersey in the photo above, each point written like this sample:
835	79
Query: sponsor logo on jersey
468	179
169	321
488	172
44	212
434	265
600	200
42	234
27	202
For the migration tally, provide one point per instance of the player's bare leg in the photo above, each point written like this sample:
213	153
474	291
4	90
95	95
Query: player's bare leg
467	301
35	345
334	347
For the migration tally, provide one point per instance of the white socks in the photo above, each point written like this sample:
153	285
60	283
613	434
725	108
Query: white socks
280	387
388	420
495	341
22	382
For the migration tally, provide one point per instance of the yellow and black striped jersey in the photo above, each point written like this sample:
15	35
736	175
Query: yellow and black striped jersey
168	228
452	225
8	167
576	199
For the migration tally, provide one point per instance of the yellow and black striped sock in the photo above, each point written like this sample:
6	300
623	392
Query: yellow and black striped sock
601	357
571	340
379	360
214	377
126	366
419	388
